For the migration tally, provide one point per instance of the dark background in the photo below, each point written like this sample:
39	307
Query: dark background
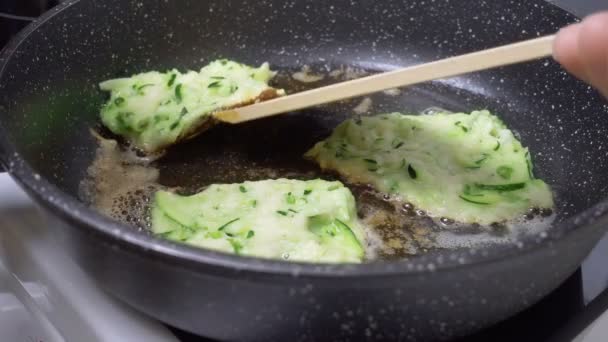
27	8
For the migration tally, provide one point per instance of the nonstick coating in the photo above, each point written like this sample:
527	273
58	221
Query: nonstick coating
49	100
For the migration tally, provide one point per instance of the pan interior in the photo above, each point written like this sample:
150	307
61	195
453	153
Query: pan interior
49	99
273	148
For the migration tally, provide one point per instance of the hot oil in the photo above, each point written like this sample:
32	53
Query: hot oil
121	185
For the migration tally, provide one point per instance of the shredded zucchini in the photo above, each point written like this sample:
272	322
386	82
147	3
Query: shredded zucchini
466	167
310	221
154	110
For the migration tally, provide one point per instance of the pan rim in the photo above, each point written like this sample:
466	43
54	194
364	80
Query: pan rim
73	212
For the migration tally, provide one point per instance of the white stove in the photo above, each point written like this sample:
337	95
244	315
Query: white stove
45	297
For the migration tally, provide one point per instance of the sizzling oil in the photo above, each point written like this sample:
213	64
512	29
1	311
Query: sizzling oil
121	185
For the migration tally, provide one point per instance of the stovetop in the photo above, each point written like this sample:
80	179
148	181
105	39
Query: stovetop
41	289
566	314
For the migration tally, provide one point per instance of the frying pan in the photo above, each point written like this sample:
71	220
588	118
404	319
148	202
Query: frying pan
49	101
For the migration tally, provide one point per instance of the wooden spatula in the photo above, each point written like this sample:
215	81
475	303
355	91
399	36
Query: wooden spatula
454	66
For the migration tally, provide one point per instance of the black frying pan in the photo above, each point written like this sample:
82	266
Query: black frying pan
49	100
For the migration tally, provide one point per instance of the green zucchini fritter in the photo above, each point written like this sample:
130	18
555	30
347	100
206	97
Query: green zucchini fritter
153	110
310	221
467	167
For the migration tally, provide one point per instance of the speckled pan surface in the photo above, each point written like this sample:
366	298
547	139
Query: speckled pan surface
49	99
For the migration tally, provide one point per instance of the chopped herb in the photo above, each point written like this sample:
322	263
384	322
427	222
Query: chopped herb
497	146
250	234
281	212
293	211
181	115
342	152
242	188
394	186
233	88
472	201
215	235
178	93
372	169
399	145
347	229
124	126
484	156
333	187
171	80
218	77
501	187
214	84
142	125
473	167
504	172
119	101
254	203
291	199
229	234
403	163
412	172
459	124
467	191
167	234
307	192
371	161
529	164
227	224
144	86
236	246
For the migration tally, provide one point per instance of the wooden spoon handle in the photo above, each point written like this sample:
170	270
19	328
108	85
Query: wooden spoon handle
449	67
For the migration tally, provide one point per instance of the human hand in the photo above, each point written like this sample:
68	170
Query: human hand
583	50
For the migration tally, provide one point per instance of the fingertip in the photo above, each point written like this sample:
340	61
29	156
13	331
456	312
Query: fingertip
594	32
597	17
593	47
566	50
566	43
